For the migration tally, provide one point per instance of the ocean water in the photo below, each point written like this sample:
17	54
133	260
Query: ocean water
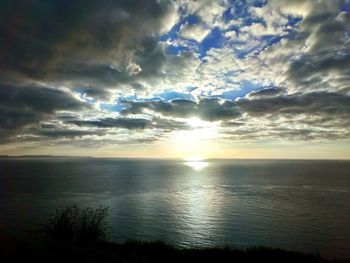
296	205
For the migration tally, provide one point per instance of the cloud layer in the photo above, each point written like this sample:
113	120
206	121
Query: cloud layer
95	73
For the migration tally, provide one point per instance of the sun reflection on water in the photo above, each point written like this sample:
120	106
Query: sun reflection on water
196	165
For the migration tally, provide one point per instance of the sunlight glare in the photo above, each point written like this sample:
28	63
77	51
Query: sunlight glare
196	141
197	123
197	165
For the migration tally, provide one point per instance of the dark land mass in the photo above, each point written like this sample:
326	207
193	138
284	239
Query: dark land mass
35	250
43	156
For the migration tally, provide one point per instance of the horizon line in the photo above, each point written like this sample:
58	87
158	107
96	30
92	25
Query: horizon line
165	158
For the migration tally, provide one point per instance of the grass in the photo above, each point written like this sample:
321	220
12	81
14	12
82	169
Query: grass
79	235
132	252
76	225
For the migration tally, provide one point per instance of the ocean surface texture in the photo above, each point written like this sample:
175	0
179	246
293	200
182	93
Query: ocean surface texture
297	205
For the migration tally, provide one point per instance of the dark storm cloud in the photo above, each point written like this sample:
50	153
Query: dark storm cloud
127	123
328	50
268	92
108	131
23	105
292	133
132	123
84	42
46	134
207	109
86	45
168	125
12	119
311	116
36	98
60	133
328	31
326	104
311	65
88	143
176	108
94	92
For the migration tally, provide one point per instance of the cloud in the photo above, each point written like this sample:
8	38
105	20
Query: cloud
197	31
209	12
101	43
164	124
39	99
267	103
25	105
132	123
207	109
309	104
311	116
322	63
108	71
267	92
268	113
306	8
68	133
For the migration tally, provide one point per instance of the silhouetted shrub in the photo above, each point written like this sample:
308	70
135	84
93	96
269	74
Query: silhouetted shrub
92	224
74	224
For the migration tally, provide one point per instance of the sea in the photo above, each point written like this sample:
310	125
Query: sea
301	205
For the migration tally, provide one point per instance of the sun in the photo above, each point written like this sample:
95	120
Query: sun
194	143
196	122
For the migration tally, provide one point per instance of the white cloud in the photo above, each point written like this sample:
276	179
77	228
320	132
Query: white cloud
311	58
209	11
197	32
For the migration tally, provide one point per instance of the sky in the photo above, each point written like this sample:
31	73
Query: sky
175	78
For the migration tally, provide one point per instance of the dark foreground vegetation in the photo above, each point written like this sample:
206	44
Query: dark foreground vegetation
79	235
